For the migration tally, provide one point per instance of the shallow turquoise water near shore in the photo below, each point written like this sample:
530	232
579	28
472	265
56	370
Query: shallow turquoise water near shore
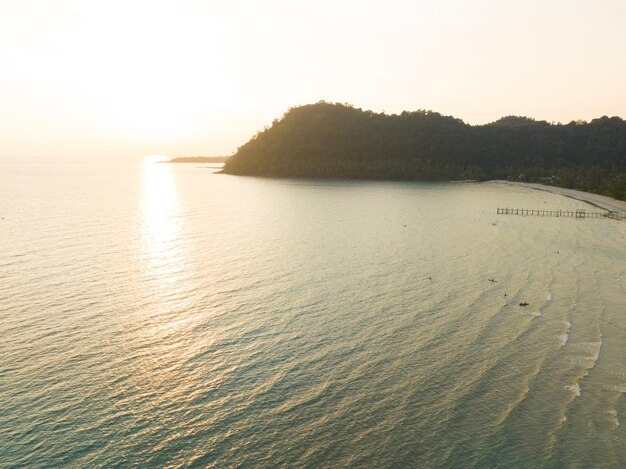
161	315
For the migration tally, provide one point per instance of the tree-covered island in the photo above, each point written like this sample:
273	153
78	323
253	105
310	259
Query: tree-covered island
325	140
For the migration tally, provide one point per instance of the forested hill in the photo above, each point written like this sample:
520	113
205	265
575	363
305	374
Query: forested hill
326	140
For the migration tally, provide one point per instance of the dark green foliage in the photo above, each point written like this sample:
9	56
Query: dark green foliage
327	140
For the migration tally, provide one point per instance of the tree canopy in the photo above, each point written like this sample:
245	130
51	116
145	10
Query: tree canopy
326	140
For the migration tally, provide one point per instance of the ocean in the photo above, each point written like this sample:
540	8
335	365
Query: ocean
158	315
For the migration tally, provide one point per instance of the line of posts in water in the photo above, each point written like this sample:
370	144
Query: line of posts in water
580	213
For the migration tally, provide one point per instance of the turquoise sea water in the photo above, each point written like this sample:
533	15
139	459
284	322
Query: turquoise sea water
164	316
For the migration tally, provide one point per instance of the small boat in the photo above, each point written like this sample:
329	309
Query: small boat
524	303
492	280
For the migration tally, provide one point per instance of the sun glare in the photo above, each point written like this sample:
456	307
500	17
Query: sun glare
161	225
153	124
155	158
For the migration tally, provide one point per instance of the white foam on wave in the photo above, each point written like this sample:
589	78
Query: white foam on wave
617	388
591	353
563	338
568	325
537	314
575	388
549	296
618	372
612	416
593	348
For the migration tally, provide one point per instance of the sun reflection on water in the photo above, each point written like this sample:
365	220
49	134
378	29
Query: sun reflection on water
159	319
162	227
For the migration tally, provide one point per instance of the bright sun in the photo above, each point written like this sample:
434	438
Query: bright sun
155	158
144	113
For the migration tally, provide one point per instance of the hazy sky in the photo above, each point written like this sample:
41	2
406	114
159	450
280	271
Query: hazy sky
122	79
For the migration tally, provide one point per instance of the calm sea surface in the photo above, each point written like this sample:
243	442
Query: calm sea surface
165	316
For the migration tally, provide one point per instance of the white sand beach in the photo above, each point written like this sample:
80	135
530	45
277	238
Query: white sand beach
596	200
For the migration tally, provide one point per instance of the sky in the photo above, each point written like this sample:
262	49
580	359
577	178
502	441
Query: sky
91	79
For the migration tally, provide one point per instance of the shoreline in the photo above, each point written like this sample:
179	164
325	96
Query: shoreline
596	200
197	159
